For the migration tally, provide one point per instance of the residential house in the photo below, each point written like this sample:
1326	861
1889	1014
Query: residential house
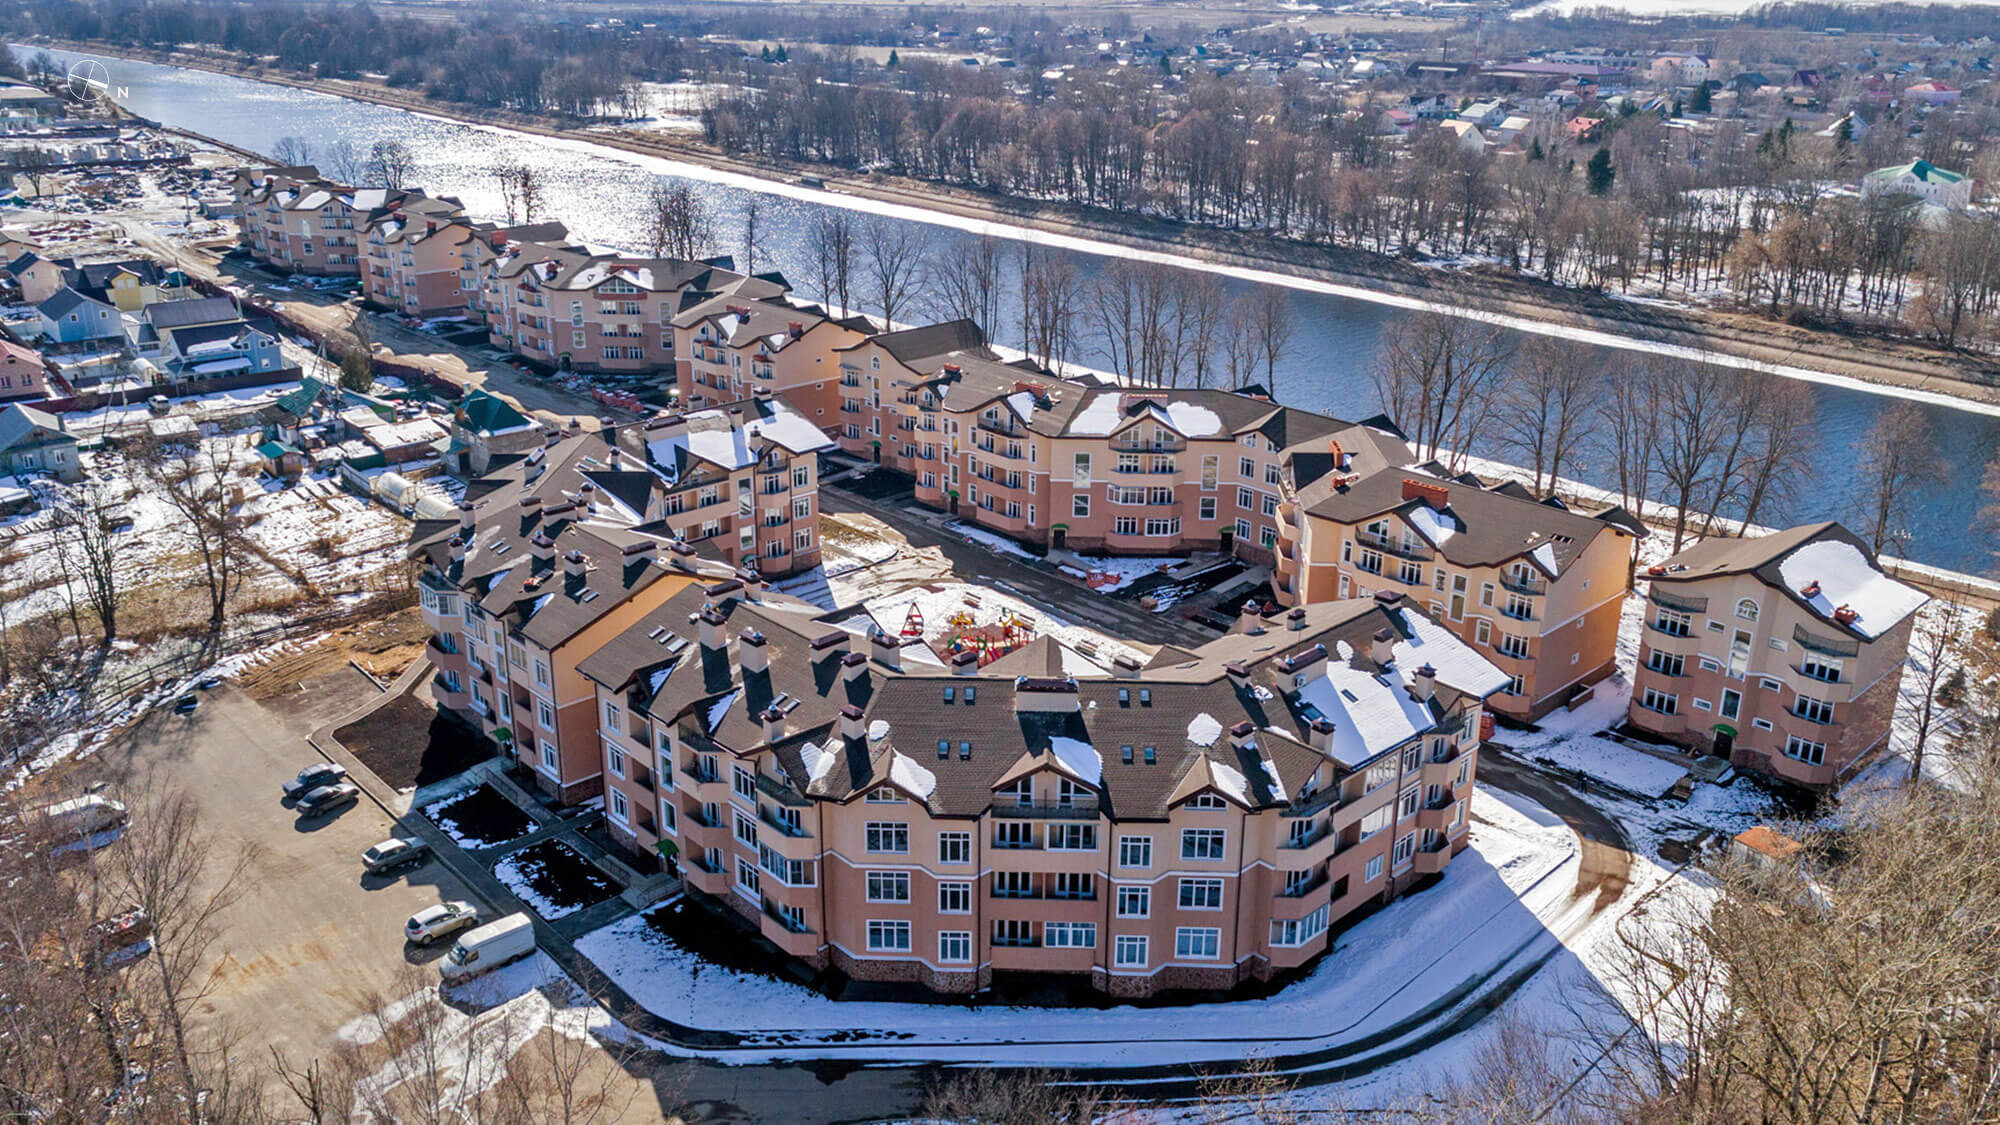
204	351
1531	585
1931	92
1681	70
865	804
72	316
728	347
1468	135
1781	653
34	442
487	431
146	328
1922	179
1484	115
23	374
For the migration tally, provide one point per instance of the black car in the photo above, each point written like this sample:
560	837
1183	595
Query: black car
186	704
327	798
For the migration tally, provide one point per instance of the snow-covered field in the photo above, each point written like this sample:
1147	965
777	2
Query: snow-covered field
1498	901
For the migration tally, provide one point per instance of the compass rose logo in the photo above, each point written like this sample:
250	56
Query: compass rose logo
89	82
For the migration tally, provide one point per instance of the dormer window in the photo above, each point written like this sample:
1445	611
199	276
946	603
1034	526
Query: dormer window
1125	754
944	749
1206	801
1746	609
1124	697
884	796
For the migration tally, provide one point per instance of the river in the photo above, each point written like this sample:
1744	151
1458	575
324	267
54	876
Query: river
1327	366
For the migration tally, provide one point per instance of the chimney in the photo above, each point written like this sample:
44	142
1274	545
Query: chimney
887	649
853	666
1239	735
531	506
683	554
728	590
550	438
1125	668
796	329
643	551
851	726
753	652
611	457
575	426
1296	620
573	565
1846	614
465	516
586	494
709	623
1250	619
1811	589
965	663
1044	695
951	370
1383	650
1309	663
1322	734
457	546
542	548
1239	674
607	428
753	585
774	724
829	646
1429	491
1423	683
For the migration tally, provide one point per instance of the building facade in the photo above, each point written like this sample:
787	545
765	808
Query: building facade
1782	654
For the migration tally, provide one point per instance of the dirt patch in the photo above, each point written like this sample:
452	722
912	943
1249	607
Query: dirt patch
385	647
480	818
409	743
554	879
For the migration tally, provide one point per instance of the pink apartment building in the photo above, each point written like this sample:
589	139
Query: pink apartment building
1782	654
1532	585
1194	823
294	219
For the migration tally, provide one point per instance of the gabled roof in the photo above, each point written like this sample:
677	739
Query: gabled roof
1822	567
484	413
67	300
23	425
912	344
1476	526
163	315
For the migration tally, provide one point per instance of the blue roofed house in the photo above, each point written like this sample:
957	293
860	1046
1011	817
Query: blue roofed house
74	317
204	351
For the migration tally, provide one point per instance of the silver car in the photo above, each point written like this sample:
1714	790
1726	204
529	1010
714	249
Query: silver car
435	923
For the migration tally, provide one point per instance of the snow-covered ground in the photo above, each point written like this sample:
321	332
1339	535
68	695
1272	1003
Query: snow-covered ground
987	605
1498	901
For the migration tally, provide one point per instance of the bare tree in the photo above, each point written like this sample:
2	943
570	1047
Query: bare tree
1696	402
36	163
82	516
985	1096
520	191
1630	410
1240	351
750	235
1937	651
833	257
1051	290
965	281
1544	411
292	151
343	162
1204	307
1897	457
1436	375
677	224
1271	308
200	481
896	253
391	162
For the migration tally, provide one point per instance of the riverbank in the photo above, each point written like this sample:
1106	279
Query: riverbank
1890	366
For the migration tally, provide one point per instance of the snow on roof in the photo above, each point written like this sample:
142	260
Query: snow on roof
218	366
1193	420
660	675
1099	416
1022	404
720	708
1079	759
1204	729
1231	781
819	761
1545	556
911	777
316	199
729	447
1432	524
1369	716
878	730
1458	666
1277	787
1846	578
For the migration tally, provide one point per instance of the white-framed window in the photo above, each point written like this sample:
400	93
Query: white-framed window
955	947
1205	801
1374	869
1203	843
1822	668
546	715
746	828
1813	710
954	847
1406	804
888	886
1070	935
955	898
1672	622
620	811
1405	848
610	713
1298	931
884	796
1135	851
1135	902
888	837
1128	951
1805	750
1201	894
1747	609
888	936
1073	885
614	760
1666	703
551	761
1377	820
747	876
1202	943
1072	837
1666	663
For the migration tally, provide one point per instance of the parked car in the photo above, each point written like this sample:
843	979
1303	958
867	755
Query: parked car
209	683
489	947
186	704
82	816
314	776
121	930
393	853
327	798
435	923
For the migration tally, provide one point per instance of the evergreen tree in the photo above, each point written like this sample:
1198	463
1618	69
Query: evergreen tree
764	53
1535	150
893	59
1599	173
1703	101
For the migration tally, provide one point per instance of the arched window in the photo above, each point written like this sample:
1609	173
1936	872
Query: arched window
1746	609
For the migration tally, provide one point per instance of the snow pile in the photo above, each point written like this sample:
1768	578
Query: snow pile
1204	729
1845	578
911	777
1078	759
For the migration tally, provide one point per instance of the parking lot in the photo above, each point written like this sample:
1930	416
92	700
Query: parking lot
310	935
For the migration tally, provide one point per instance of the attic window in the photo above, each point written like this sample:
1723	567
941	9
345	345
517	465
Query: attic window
971	694
789	706
950	694
587	596
1145	697
1152	756
659	631
1124	697
677	643
965	751
1205	801
944	749
1125	754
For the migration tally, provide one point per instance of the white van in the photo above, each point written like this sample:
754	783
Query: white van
489	947
82	816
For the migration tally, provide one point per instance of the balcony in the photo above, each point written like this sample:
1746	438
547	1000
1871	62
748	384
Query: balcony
1519	613
1009	427
1681	603
643	779
771	820
1046	810
1524	584
1300	890
1432	859
1142	470
701	819
778	791
1825	646
441	646
1158	445
1396	547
